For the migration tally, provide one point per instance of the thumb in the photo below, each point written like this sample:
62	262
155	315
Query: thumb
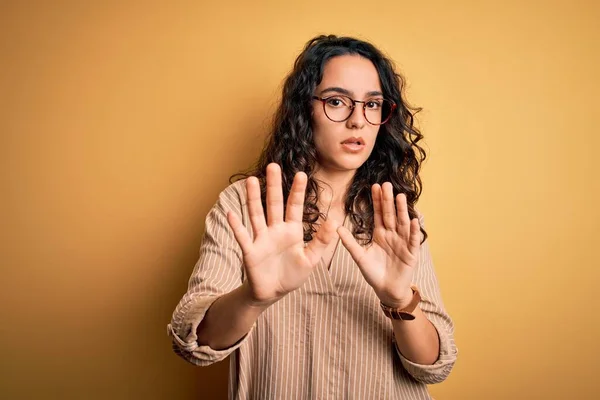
324	235
356	250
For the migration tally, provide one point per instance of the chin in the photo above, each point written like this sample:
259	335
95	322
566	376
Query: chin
343	162
347	165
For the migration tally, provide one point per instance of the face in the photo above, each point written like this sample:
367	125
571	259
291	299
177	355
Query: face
336	142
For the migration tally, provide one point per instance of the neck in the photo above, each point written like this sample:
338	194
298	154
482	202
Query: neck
335	184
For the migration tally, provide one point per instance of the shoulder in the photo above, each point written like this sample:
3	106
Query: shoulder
233	197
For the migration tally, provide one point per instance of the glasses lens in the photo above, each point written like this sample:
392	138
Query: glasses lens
338	108
378	111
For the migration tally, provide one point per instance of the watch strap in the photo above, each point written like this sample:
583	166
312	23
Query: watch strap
405	313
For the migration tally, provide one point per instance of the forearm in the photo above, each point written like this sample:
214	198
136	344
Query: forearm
228	319
418	339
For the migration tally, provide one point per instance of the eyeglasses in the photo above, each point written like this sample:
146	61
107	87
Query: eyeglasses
339	108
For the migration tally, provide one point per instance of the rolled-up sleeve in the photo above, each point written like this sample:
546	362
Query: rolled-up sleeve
433	308
218	271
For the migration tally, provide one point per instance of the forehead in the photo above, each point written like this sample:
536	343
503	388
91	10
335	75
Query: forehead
351	72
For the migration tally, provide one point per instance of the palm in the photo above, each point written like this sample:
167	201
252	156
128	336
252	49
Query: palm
388	263
276	260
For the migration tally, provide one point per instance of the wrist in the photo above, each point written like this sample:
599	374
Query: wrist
402	310
399	302
251	301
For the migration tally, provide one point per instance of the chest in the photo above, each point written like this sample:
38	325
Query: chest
330	251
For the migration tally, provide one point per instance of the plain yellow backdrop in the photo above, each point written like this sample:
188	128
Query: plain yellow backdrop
121	122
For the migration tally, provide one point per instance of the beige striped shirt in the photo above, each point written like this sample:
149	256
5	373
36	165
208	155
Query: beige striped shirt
328	339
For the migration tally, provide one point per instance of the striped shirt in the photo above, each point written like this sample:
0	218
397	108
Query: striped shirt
329	339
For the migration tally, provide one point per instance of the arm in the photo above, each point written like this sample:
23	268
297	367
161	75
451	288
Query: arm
229	318
417	340
224	298
218	272
393	261
427	349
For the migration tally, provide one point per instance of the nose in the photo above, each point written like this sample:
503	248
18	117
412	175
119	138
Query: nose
357	117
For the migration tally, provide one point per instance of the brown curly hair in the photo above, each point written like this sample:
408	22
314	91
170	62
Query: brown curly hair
396	156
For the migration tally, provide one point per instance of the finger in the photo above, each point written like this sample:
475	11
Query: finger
295	202
402	211
389	210
255	208
377	211
356	250
239	231
414	242
274	194
324	235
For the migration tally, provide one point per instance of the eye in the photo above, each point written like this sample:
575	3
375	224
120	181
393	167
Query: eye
373	104
337	102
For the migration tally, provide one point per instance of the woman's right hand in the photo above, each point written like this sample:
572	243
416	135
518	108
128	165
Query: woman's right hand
276	261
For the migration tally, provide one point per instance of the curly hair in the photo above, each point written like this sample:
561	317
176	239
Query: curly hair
396	156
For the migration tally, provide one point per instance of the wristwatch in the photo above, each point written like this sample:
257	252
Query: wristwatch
406	313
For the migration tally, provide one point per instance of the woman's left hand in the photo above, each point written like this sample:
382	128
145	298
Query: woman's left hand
389	262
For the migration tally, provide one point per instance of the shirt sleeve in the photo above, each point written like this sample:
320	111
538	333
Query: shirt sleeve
432	306
218	271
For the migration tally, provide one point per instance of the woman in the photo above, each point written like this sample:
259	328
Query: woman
302	316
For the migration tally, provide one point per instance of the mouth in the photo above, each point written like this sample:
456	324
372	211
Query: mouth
353	144
354	140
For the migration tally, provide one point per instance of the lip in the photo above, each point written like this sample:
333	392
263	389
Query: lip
353	144
354	139
353	147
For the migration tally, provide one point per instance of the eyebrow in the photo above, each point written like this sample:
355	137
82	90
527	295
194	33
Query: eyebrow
347	92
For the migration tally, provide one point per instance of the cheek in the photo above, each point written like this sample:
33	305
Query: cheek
375	134
319	120
324	130
327	135
321	139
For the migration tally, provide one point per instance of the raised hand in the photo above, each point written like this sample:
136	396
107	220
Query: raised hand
276	261
388	264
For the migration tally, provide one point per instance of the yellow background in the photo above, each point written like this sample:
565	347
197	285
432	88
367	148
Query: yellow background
121	121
